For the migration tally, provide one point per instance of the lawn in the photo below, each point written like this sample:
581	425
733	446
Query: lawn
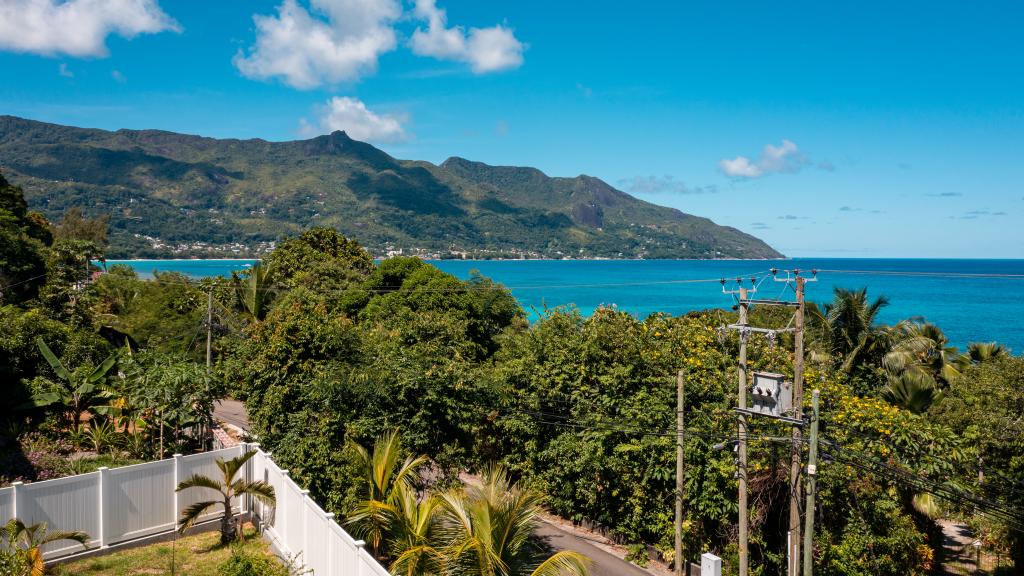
198	555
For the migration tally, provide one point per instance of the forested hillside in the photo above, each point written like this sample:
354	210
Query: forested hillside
175	194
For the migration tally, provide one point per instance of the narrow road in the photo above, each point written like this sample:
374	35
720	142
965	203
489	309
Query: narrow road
231	412
604	564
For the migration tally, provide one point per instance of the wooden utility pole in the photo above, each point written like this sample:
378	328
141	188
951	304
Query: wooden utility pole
209	329
812	478
680	563
798	408
742	447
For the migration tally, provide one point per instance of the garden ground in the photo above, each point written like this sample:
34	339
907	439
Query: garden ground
195	555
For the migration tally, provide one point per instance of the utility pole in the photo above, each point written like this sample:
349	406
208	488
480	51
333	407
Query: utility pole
742	447
209	329
812	480
798	408
680	562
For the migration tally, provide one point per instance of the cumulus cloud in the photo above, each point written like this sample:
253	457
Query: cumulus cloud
358	121
342	41
76	27
662	185
484	49
773	159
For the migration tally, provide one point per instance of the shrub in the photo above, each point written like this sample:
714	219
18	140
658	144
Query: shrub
246	563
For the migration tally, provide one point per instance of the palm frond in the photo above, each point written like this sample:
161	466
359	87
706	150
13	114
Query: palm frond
564	563
200	481
191	514
263	491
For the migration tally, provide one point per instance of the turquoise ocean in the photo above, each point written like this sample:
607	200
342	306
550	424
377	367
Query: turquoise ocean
971	300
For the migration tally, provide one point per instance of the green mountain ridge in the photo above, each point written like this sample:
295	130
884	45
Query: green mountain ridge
173	194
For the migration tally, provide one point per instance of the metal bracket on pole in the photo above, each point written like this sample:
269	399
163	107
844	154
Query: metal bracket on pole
793	421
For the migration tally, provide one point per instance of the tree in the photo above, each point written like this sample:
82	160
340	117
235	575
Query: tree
487	531
922	347
320	258
75	226
980	352
848	325
24	236
26	543
385	488
76	390
255	291
229	488
913	391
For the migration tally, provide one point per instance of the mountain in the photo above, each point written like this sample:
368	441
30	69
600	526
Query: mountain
176	194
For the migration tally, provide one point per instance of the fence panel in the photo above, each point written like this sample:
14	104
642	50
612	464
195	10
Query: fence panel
6	504
131	502
70	503
138	501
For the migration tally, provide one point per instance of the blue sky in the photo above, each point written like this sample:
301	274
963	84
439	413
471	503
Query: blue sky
867	130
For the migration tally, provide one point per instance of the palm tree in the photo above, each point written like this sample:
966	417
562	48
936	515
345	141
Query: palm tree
253	292
912	390
386	485
920	346
981	352
78	389
848	324
27	542
413	539
487	532
229	489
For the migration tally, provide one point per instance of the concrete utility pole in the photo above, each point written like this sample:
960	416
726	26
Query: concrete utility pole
812	481
798	408
209	329
742	447
680	562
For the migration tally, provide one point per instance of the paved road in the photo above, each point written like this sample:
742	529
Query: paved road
231	411
604	564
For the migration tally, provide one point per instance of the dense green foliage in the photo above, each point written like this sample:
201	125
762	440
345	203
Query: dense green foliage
185	190
331	350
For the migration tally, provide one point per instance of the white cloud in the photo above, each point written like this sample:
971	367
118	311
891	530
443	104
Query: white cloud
773	159
118	77
64	71
662	184
76	27
358	121
484	49
307	51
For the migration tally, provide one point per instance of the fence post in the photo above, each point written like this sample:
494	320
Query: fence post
361	557
177	480
14	500
330	542
305	523
102	488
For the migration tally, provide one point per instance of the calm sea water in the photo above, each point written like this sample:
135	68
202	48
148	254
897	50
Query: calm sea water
969	309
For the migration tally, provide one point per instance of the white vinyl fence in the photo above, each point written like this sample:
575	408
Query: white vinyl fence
118	505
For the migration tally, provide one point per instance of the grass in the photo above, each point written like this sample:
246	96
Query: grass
197	555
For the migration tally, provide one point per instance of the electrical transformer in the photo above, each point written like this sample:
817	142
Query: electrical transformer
772	395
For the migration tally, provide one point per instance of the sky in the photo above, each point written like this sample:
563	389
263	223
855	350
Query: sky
869	129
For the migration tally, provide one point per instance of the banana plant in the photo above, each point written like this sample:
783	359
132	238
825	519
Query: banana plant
76	391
